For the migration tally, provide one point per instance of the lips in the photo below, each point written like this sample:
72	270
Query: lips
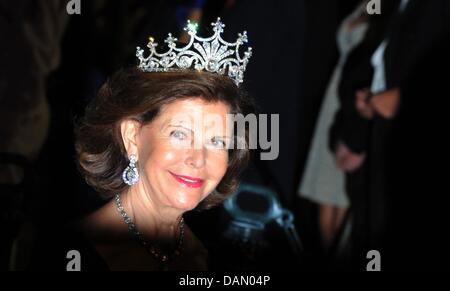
188	181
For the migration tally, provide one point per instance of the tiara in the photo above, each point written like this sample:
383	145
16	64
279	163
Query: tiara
211	54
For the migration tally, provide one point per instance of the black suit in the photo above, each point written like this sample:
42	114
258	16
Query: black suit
357	73
416	172
422	26
417	60
413	37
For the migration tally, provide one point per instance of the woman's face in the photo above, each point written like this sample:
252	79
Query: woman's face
182	153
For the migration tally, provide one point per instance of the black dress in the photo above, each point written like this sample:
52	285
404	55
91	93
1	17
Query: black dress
52	252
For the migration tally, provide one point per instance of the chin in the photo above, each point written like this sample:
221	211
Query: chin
185	202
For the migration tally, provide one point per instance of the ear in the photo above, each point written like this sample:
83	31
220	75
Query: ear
130	132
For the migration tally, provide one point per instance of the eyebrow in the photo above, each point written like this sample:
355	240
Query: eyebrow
216	136
224	136
173	125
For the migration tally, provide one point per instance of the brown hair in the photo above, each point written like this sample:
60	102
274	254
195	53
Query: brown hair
131	93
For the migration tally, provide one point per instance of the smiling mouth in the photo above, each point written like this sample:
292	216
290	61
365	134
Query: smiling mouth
188	181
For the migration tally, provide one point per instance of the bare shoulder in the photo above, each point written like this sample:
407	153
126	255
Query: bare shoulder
113	242
104	231
103	223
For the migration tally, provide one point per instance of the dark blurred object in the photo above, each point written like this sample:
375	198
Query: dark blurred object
417	177
252	208
257	233
30	50
13	213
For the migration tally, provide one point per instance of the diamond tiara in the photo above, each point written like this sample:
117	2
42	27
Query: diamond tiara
211	54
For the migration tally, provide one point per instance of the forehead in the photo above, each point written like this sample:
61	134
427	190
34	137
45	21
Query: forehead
193	110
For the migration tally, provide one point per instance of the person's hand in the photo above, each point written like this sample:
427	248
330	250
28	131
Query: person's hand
362	104
386	103
346	160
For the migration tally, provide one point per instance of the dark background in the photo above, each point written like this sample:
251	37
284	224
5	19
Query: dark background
294	54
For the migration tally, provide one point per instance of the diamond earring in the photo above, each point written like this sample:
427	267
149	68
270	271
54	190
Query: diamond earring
131	175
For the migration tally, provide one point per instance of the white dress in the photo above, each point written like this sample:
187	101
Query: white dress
322	181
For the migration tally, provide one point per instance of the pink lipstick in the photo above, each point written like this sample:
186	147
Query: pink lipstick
188	181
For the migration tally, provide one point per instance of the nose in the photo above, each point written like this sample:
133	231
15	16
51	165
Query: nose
196	157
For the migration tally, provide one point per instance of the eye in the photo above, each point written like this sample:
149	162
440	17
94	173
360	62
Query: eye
178	134
218	143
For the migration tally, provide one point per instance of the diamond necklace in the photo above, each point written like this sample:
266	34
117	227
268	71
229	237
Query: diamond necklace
150	248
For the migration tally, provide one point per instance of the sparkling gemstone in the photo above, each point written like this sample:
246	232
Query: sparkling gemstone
130	175
232	71
198	67
165	62
212	65
185	62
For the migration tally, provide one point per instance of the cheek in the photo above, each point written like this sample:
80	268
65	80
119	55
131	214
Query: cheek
218	166
162	158
159	151
155	159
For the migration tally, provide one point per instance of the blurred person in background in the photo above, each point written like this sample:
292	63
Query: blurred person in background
30	49
418	33
323	181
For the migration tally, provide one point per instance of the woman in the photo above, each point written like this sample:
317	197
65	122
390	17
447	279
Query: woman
323	180
157	143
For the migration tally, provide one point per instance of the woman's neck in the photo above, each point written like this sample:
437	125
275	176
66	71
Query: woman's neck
154	222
